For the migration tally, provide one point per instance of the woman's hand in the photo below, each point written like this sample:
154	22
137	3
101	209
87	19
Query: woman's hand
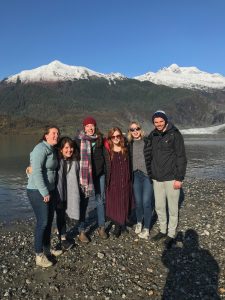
29	170
46	198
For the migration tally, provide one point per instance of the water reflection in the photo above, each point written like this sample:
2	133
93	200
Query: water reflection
205	156
205	160
14	157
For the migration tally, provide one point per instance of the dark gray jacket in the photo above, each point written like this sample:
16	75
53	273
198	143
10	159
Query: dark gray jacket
167	158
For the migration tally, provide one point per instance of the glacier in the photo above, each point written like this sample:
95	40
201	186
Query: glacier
207	130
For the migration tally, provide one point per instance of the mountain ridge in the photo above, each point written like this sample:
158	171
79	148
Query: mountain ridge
57	71
173	76
185	77
25	106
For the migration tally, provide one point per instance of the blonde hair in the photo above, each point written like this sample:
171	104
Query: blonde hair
129	135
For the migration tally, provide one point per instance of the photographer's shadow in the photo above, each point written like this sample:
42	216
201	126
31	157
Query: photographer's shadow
193	272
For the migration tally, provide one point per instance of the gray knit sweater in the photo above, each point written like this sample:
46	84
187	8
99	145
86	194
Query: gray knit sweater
138	156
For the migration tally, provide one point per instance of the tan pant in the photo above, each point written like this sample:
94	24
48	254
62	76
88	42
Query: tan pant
163	192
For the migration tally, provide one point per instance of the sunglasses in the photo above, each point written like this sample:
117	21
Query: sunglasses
135	129
113	137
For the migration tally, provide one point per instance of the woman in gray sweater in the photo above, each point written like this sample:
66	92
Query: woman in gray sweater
68	189
142	185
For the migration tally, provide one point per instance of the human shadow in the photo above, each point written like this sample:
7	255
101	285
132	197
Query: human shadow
193	272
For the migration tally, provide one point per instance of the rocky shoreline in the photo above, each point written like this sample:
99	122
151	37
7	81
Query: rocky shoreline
127	267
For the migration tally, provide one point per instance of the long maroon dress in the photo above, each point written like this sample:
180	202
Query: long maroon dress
119	190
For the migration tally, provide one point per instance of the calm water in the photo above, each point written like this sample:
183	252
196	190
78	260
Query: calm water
205	154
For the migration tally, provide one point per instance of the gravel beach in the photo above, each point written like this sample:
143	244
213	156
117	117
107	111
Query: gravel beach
127	267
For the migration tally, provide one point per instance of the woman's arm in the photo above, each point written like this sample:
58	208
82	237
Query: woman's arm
38	161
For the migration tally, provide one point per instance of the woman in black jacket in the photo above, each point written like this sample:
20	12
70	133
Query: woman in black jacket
92	175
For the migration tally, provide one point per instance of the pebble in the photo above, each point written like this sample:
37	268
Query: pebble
206	232
126	267
101	255
149	270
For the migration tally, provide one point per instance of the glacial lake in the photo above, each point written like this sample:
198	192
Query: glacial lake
206	156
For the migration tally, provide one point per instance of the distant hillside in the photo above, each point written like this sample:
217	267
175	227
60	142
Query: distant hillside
25	107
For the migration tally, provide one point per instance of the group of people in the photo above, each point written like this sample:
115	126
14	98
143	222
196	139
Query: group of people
121	174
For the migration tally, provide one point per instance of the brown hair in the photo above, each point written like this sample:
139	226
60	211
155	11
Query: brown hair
72	144
122	141
99	141
46	131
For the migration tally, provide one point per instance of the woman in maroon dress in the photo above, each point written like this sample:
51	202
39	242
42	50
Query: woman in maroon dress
119	187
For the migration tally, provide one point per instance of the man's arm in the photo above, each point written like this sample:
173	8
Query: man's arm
181	160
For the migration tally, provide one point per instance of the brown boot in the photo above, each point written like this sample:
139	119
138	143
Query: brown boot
101	232
83	238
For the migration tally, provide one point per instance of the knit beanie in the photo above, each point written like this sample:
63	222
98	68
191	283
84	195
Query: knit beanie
89	120
160	114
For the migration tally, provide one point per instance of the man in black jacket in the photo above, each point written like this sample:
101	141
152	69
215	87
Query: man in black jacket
166	166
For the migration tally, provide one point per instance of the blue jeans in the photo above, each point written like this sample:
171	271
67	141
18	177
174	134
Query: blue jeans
44	213
98	198
143	193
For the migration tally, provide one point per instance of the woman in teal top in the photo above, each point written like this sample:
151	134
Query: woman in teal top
41	191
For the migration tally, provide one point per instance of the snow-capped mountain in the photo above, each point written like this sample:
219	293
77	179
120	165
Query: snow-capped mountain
57	71
173	76
185	77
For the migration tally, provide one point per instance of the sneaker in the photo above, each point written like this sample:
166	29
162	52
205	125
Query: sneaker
42	261
138	228
83	238
159	236
56	251
101	232
168	242
144	234
66	244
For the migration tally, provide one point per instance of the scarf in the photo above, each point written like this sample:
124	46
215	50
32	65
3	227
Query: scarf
64	168
86	177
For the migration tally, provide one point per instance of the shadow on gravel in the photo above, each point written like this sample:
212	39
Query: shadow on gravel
192	271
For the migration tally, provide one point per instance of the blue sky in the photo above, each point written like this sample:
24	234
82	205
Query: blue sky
127	36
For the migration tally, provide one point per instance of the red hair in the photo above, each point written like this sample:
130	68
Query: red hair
121	144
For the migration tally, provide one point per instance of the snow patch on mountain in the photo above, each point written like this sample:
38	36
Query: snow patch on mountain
57	71
206	130
173	76
185	77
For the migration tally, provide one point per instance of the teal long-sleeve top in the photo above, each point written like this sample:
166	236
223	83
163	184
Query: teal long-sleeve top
44	163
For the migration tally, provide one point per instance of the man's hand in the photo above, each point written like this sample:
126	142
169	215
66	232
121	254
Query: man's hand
177	184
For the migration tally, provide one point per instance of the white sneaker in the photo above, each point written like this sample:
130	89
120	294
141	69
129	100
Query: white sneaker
49	252
144	234
138	228
42	261
56	252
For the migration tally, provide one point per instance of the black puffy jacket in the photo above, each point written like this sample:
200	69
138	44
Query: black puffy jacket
167	158
97	157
